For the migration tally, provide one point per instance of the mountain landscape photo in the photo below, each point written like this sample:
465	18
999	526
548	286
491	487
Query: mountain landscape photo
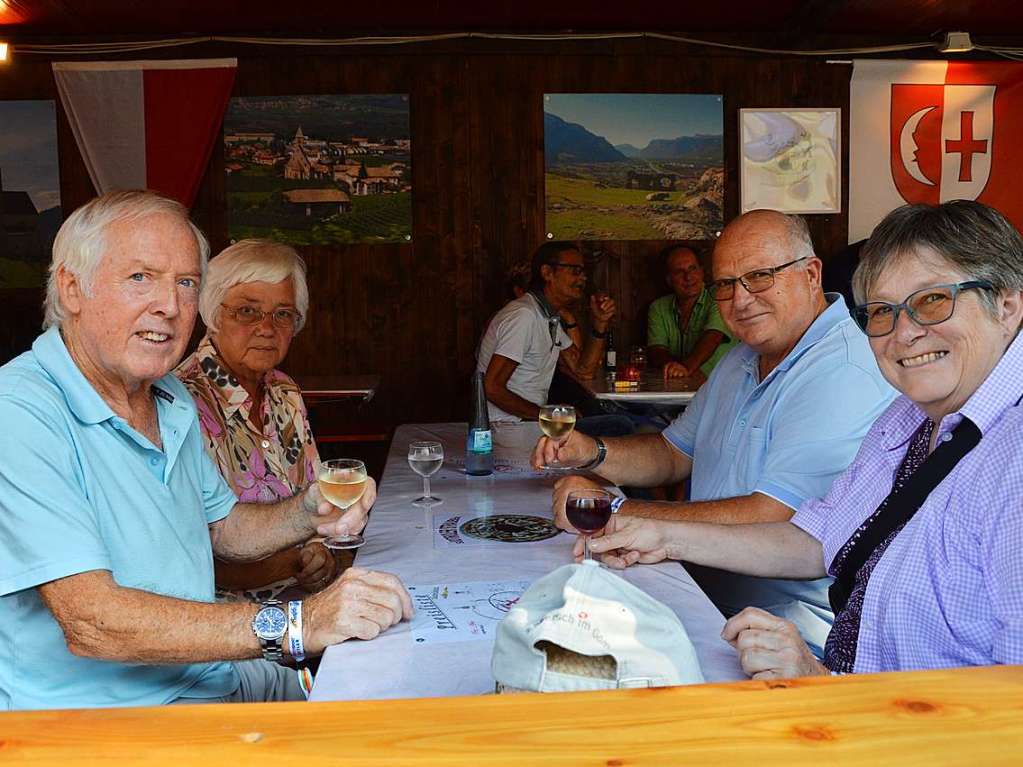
669	184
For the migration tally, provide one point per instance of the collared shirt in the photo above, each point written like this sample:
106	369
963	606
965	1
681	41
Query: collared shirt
81	490
790	435
522	332
948	590
261	465
663	328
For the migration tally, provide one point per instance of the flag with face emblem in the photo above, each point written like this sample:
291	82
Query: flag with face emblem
933	131
146	124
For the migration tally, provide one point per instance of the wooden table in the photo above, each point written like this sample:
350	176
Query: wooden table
653	390
960	716
323	389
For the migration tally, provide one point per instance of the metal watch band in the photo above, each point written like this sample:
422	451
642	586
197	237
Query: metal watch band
273	649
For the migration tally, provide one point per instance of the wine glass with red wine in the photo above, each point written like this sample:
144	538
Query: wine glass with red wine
588	512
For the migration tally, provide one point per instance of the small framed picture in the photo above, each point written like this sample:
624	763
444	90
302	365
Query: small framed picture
790	160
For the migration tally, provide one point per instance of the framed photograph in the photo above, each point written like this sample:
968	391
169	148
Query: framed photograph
633	166
790	160
319	170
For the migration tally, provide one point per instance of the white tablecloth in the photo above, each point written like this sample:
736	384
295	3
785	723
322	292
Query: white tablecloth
400	540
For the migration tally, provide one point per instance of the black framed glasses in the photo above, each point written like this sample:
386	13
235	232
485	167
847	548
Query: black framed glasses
756	281
285	319
575	269
927	306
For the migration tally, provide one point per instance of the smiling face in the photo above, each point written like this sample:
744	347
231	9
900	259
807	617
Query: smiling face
940	366
135	326
684	274
251	351
772	321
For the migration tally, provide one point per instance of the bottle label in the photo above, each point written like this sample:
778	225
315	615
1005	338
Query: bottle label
480	441
611	358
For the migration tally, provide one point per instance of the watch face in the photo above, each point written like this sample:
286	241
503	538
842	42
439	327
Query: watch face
270	623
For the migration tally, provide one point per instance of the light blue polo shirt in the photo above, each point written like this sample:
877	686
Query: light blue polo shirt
790	435
787	437
81	490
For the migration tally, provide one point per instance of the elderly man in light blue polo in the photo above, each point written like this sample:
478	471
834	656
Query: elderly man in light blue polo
781	416
110	510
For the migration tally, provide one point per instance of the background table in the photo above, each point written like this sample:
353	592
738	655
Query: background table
652	391
399	539
322	389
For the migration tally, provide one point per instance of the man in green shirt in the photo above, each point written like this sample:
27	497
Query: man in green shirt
685	333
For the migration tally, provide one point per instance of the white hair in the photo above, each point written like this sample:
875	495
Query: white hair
253	260
81	241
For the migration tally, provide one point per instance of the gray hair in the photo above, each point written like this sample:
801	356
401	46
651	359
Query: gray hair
799	238
81	241
973	238
252	260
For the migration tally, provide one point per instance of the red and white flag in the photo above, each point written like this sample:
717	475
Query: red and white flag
932	131
146	124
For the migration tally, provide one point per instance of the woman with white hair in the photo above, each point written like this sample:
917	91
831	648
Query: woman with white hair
254	300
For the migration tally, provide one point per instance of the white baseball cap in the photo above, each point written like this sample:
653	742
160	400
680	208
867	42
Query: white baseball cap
590	611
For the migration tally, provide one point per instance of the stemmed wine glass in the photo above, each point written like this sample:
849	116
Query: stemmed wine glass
425	459
557	422
342	481
588	511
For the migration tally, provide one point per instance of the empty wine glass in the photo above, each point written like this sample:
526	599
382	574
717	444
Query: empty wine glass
588	511
557	422
342	481
425	459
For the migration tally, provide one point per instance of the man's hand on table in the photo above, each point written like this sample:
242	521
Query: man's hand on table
628	540
675	370
330	520
769	647
359	605
575	450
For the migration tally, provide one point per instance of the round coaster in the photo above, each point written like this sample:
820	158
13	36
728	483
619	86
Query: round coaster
510	528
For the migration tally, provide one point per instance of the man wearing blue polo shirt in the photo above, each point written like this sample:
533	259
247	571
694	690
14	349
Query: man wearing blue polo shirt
780	417
111	512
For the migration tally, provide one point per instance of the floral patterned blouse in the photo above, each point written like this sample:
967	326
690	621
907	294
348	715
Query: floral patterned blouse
261	466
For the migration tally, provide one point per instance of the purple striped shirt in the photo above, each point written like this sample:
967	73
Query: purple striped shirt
948	591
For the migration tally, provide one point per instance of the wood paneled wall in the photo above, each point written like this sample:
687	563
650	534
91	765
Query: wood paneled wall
413	312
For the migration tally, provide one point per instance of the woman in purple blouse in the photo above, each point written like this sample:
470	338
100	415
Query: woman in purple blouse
932	583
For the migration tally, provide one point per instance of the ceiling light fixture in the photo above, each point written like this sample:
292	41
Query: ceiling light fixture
956	42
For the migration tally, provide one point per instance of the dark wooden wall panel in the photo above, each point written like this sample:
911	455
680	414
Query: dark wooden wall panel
414	312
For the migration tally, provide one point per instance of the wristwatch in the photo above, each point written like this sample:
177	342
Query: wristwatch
599	459
269	626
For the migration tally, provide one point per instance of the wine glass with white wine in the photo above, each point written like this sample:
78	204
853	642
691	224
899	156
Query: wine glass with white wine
557	422
425	459
342	481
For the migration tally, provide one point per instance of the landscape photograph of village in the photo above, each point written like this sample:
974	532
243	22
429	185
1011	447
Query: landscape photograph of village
633	166
319	170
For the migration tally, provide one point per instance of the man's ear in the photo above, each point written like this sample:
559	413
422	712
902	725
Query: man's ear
69	288
814	268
